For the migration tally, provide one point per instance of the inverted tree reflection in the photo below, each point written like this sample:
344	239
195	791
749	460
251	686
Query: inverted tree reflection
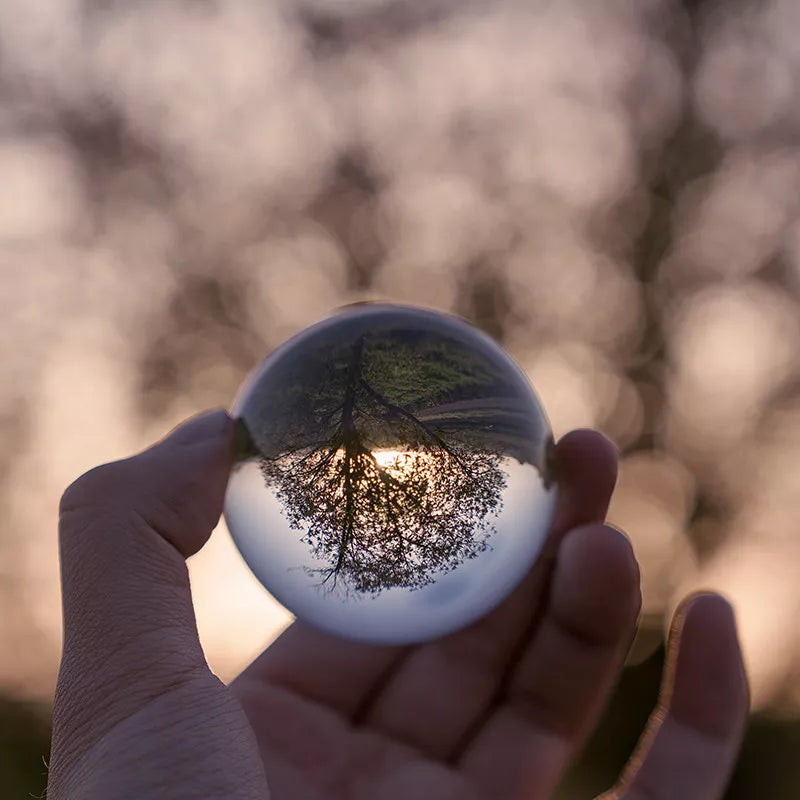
380	522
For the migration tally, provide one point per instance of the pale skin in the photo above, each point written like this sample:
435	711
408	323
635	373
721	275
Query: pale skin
498	710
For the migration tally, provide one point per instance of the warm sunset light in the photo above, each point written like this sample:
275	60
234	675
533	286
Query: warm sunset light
608	190
392	458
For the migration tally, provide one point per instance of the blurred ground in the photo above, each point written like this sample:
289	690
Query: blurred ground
609	189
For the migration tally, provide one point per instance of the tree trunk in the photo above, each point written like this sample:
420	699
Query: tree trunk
353	378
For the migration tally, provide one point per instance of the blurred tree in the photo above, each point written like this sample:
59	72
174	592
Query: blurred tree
138	157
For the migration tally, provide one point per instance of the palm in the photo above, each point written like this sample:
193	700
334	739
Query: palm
310	751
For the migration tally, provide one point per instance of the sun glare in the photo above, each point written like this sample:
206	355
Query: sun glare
403	464
388	458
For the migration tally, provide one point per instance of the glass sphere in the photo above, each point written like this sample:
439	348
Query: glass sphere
392	479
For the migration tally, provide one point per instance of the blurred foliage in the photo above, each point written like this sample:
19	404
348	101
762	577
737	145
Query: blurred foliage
608	189
24	745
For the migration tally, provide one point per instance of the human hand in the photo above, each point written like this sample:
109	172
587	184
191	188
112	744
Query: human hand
497	710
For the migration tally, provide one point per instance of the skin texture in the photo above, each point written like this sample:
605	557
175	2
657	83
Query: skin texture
497	710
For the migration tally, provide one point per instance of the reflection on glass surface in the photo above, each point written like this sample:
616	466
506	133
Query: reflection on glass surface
392	480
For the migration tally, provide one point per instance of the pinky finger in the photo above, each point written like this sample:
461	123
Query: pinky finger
689	748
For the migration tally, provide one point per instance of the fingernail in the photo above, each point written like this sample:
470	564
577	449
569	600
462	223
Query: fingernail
205	426
703	597
709	596
713	600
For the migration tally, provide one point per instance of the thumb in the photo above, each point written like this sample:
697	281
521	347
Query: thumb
125	531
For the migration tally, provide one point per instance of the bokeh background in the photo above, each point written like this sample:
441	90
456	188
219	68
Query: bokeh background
610	189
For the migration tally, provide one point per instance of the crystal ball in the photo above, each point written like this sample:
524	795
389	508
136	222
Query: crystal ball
392	481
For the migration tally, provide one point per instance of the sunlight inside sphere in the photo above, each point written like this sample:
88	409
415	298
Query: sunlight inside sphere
394	460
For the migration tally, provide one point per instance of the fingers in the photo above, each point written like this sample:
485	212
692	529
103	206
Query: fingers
454	678
560	685
125	529
690	745
441	690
